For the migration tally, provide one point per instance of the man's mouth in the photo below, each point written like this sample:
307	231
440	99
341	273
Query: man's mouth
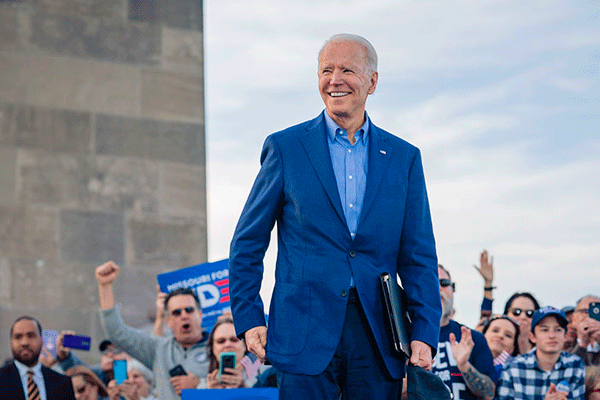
186	328
338	94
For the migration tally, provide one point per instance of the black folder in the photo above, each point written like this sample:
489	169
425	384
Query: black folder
395	306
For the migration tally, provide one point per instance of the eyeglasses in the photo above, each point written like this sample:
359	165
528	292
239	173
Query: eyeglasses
232	339
446	283
177	312
517	311
112	350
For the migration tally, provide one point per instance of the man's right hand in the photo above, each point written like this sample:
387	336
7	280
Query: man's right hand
107	273
62	352
256	340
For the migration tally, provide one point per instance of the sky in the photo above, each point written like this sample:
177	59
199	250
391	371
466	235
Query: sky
501	97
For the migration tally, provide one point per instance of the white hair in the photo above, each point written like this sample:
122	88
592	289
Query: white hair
347	37
135	364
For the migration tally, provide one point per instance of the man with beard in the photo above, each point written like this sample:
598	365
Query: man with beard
464	361
183	354
26	378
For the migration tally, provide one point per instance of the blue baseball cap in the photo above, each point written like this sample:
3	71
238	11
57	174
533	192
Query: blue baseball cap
548	311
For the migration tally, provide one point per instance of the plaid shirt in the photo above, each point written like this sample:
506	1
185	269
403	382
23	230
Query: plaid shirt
524	379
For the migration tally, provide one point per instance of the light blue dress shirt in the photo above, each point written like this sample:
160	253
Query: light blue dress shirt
350	165
38	378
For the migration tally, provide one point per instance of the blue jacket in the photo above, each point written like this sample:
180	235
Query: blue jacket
296	188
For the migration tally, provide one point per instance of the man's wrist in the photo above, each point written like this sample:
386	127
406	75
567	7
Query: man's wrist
464	366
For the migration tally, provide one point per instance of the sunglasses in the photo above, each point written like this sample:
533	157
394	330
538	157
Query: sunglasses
113	351
446	283
222	340
517	311
177	312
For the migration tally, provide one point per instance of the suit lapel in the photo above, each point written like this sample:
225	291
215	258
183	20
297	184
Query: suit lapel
380	154
315	144
18	388
50	393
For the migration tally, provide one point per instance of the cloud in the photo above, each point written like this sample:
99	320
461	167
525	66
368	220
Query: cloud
493	92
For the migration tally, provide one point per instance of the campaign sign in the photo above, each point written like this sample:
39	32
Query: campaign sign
230	394
209	280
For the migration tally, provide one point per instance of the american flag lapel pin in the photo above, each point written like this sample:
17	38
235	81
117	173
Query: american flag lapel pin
382	151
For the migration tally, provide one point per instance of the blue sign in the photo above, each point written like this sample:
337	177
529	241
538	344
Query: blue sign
209	280
230	394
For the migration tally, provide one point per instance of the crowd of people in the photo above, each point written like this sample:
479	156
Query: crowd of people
527	352
350	203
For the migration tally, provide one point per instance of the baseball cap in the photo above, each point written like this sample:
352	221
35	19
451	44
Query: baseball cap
567	309
547	311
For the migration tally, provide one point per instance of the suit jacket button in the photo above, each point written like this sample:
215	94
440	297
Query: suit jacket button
352	254
343	293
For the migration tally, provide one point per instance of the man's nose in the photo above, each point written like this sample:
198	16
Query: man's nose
336	77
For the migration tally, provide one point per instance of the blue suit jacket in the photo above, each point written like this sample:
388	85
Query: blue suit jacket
296	188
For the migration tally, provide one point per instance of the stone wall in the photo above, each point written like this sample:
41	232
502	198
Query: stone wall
102	155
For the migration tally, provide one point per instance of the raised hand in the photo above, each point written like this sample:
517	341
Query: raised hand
107	273
486	267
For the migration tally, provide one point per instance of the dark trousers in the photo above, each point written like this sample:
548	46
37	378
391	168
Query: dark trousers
356	371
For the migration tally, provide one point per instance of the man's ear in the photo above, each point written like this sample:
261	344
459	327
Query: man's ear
374	78
532	337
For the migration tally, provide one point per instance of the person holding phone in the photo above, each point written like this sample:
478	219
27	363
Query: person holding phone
588	331
104	370
136	386
178	361
223	341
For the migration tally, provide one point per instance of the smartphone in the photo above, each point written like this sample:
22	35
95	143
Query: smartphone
78	342
595	311
120	370
226	360
49	338
176	371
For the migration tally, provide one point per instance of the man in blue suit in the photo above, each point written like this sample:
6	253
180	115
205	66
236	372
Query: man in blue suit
350	203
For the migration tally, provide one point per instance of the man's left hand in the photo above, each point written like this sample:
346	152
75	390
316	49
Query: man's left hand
189	381
421	354
462	350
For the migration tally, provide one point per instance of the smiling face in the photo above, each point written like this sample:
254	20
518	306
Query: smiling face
26	342
184	318
500	336
344	80
140	381
548	336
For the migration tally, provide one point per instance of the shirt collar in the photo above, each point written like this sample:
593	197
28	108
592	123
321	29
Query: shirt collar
332	129
22	368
